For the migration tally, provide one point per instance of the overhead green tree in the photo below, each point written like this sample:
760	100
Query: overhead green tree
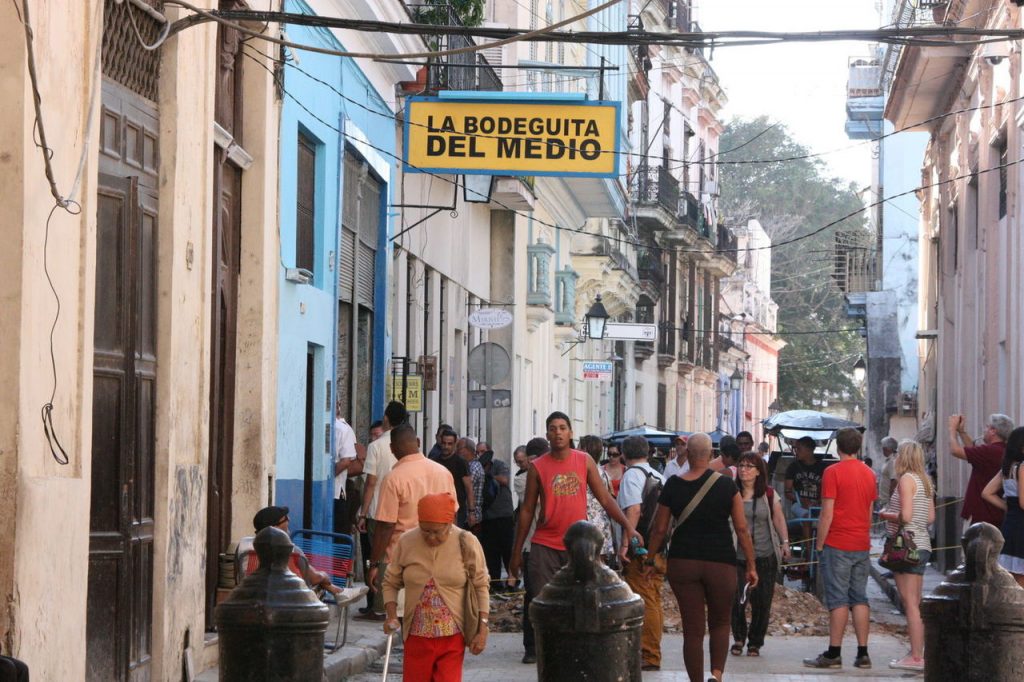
792	199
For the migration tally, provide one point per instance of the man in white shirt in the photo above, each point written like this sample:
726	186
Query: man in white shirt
344	456
379	463
678	465
638	479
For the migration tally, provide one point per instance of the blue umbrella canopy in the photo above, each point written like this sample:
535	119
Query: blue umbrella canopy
656	437
808	420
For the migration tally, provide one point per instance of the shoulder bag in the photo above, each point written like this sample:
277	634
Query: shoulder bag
900	551
696	500
470	602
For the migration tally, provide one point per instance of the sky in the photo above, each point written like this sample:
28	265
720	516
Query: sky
802	85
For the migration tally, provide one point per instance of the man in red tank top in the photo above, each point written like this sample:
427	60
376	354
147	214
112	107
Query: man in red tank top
558	480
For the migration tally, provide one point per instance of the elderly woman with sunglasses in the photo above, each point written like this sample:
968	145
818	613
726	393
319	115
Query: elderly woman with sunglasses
437	563
768	529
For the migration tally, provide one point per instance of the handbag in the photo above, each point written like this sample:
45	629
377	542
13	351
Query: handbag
900	551
471	604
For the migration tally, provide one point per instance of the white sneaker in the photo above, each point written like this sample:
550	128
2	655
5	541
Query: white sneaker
908	662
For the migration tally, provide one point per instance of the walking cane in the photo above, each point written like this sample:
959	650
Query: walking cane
387	654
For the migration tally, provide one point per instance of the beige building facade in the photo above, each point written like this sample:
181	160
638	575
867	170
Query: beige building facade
970	346
108	577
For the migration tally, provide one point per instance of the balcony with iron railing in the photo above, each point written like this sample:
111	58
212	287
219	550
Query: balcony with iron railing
727	243
654	192
865	100
464	71
688	212
666	344
649	269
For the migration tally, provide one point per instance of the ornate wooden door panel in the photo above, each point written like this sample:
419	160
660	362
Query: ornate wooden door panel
119	615
226	254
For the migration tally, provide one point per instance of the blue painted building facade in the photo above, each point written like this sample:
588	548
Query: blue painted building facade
334	256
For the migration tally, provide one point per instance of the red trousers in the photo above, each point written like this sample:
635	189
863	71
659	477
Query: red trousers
433	659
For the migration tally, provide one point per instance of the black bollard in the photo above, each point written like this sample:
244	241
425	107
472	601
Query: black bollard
974	620
272	626
587	621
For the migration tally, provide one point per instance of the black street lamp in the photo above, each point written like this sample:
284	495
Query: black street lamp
736	380
596	319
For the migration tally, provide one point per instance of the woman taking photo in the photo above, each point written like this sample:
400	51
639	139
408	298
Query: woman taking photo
770	536
436	564
701	555
911	506
1010	479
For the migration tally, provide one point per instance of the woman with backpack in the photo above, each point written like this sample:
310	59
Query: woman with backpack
770	536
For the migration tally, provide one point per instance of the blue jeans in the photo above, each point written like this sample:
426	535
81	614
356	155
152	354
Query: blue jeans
845	575
920	568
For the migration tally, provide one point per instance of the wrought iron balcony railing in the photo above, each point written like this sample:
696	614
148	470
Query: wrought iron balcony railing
466	71
656	186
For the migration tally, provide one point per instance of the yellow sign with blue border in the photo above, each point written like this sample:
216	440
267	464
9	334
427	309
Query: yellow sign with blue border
512	137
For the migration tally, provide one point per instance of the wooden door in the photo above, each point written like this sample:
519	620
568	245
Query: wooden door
226	253
119	613
224	322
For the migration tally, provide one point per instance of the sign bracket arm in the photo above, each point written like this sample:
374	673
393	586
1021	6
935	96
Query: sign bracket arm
435	210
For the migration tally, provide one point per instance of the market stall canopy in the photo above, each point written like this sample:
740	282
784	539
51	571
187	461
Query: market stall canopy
656	437
823	425
716	437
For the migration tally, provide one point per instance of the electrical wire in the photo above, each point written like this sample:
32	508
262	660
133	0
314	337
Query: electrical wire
160	39
65	203
655	247
680	163
529	35
914	35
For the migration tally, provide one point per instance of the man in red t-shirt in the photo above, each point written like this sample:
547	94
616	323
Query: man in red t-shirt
848	493
985	461
557	482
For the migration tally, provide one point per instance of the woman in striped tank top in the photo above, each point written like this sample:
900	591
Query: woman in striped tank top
912	506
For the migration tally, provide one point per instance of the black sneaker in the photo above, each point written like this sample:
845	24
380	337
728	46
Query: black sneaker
529	658
825	661
862	661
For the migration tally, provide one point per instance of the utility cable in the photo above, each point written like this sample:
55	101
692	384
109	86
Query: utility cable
638	244
66	203
529	35
676	163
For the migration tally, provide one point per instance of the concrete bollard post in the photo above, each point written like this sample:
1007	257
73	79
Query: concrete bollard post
271	626
588	622
974	620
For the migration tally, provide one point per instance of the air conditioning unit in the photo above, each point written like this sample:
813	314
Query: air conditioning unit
711	186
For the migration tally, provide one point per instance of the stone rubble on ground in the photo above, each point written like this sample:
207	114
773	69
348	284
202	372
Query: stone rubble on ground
793	613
